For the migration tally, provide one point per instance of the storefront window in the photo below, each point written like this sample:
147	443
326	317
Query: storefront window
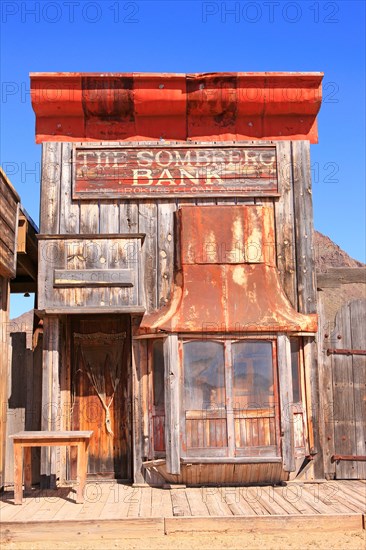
204	381
229	387
204	395
253	374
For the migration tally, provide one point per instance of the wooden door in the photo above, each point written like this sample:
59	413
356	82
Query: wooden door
348	374
100	392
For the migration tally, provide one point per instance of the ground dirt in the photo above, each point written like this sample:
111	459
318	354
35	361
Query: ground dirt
210	541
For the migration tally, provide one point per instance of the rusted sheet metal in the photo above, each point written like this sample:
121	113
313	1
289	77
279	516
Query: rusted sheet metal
227	291
158	171
206	107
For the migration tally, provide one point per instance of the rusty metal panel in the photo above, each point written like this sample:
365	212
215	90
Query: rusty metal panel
223	296
245	235
161	171
209	107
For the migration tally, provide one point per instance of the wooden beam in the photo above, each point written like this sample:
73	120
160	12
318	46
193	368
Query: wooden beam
172	420
25	263
265	524
337	276
22	233
306	287
286	399
67	530
21	286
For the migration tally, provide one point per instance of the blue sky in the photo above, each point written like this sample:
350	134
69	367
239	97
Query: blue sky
198	36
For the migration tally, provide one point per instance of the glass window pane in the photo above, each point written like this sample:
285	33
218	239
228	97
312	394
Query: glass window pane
158	373
252	375
295	366
204	375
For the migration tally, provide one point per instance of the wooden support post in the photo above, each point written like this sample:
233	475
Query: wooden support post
286	399
50	396
172	440
306	287
137	440
4	349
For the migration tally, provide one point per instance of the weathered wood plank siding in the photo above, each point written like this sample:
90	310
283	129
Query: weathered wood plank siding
9	212
61	214
140	235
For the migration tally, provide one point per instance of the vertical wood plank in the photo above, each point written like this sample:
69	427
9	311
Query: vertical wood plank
69	208
109	217
344	412
128	216
148	225
358	340
286	400
326	424
137	440
303	211
165	255
171	366
284	223
89	217
4	367
50	187
306	285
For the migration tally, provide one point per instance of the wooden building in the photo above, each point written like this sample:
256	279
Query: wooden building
342	371
176	274
18	273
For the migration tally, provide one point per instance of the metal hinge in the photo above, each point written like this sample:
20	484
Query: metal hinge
334	351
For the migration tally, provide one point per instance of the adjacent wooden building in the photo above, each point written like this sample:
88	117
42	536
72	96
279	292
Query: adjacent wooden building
176	274
18	273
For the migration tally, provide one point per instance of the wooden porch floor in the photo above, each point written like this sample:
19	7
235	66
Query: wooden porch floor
190	509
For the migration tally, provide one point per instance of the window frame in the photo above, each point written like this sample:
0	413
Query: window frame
231	451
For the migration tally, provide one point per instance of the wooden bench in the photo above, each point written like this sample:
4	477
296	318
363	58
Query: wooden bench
27	440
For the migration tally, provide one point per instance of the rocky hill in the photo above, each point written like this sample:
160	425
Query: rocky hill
328	254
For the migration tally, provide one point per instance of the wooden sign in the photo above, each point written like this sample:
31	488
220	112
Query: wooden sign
161	171
92	277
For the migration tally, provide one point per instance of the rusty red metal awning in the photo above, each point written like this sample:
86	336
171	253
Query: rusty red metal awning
228	279
181	107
